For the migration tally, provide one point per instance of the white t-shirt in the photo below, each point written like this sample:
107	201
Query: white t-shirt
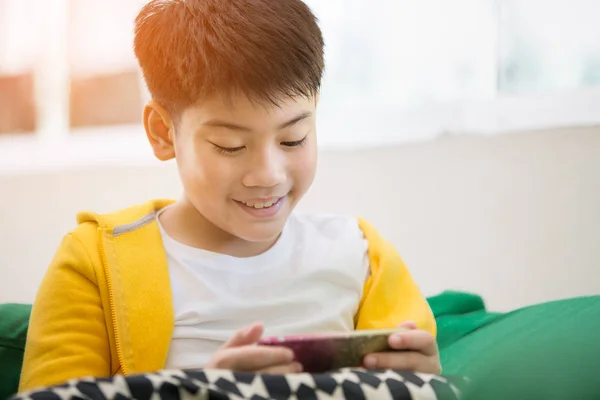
310	281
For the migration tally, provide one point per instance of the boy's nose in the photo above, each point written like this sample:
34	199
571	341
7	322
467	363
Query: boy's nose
265	171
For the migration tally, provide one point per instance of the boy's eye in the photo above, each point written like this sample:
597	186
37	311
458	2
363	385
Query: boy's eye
297	143
228	150
233	150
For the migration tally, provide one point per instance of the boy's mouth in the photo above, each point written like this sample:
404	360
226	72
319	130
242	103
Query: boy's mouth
262	208
261	204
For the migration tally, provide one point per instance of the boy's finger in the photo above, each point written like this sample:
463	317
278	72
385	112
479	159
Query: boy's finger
254	358
408	325
293	368
245	336
406	360
421	341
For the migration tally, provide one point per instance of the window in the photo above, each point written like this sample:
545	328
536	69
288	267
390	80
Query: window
17	56
105	85
549	45
426	51
418	68
396	71
17	104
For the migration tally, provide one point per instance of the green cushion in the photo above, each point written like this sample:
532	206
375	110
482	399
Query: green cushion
547	351
457	314
14	320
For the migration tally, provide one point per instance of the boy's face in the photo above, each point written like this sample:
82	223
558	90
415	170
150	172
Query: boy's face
244	166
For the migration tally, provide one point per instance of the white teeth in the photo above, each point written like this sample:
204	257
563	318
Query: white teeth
260	205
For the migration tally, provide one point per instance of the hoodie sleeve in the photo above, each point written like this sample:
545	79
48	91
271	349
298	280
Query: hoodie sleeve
390	294
67	336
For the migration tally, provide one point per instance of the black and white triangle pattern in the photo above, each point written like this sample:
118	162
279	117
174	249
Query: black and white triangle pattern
226	385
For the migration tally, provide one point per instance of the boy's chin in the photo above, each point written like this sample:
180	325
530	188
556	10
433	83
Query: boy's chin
262	236
260	232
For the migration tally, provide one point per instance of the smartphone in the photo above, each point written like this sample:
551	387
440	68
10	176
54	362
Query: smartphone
326	352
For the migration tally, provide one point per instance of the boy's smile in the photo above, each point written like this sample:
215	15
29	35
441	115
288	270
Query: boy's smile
263	208
244	167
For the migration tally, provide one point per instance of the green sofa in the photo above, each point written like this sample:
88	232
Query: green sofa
14	320
547	351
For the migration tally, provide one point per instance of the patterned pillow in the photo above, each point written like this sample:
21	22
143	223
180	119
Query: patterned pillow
222	384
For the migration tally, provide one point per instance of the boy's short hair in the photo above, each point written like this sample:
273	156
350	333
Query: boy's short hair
265	49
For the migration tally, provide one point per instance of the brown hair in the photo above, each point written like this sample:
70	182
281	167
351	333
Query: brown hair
190	49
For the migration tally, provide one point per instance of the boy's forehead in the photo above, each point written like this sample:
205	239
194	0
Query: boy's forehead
242	107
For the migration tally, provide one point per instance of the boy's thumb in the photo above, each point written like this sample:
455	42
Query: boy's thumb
245	336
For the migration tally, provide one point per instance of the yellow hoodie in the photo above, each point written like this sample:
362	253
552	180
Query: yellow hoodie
105	307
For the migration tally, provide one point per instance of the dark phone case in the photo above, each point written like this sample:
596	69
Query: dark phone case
322	353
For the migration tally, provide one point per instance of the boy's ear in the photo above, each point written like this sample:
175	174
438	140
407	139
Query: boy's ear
159	129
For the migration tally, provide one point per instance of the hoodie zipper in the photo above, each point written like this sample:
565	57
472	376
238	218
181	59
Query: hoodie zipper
111	300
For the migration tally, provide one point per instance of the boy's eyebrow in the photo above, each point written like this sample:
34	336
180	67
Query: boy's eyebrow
295	120
223	124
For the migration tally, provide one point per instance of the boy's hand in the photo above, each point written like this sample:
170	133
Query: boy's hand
418	352
241	353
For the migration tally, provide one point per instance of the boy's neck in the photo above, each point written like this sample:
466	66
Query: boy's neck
183	223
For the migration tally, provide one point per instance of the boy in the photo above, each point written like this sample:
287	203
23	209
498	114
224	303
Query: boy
234	88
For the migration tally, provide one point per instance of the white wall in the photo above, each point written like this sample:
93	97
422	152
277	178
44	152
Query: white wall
515	218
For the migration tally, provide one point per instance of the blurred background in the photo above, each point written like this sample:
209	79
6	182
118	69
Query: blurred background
467	131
